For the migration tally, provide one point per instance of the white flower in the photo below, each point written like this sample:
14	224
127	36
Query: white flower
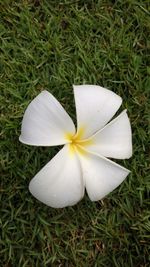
82	162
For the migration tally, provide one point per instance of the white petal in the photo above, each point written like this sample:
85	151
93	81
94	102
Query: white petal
59	183
45	122
95	106
115	139
101	176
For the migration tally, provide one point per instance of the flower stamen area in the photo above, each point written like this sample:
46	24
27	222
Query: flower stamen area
77	143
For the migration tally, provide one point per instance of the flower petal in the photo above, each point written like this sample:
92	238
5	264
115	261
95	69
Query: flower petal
95	106
114	140
45	122
59	183
101	176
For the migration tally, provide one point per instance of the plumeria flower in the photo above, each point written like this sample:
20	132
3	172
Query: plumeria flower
83	161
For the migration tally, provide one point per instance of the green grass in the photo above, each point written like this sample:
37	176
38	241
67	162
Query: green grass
52	45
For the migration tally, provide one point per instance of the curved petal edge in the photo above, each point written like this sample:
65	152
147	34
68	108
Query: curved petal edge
115	139
45	122
101	176
59	184
95	106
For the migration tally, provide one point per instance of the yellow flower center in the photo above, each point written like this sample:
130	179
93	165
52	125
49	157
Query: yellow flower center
77	143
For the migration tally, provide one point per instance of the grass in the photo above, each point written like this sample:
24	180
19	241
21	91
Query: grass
52	45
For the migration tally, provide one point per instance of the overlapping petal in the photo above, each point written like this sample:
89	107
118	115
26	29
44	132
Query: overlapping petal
101	175
59	183
45	122
95	106
114	140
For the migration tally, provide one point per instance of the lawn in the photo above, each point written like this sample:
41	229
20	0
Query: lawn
52	45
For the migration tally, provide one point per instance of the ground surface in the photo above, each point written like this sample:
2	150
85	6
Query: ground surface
52	45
